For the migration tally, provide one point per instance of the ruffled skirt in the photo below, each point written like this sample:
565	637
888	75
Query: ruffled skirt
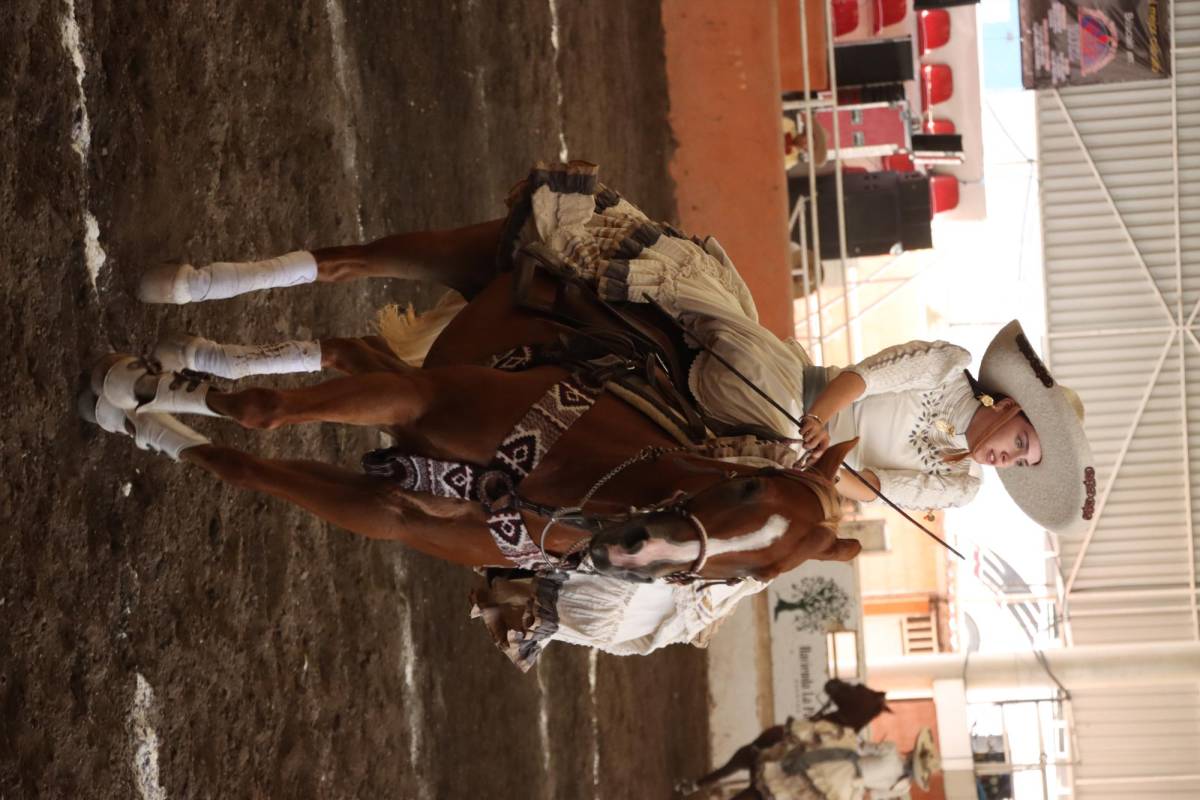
610	242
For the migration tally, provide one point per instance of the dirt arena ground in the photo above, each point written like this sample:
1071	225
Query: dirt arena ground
162	636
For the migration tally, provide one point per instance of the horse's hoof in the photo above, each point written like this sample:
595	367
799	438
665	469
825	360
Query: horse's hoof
166	284
98	411
115	376
85	404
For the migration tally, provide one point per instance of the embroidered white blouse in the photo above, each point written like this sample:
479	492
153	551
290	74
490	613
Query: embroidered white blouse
915	410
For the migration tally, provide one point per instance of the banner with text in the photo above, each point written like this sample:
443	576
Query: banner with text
816	617
1105	41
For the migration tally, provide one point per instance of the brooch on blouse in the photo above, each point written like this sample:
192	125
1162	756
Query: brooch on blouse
944	426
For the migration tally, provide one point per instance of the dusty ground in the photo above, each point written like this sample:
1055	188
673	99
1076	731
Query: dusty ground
279	657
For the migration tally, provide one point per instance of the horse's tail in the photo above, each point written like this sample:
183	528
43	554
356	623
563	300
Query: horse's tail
409	334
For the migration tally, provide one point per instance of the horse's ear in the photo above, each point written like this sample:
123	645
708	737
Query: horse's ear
828	463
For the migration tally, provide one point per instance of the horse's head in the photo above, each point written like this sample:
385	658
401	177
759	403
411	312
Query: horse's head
758	523
857	704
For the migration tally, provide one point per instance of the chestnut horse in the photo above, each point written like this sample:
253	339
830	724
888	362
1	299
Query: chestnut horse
655	509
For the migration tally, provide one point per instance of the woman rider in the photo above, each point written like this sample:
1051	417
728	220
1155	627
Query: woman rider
923	422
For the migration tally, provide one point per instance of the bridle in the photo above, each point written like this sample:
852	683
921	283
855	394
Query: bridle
676	504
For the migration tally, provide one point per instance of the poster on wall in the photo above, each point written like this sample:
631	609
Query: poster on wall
1103	41
816	617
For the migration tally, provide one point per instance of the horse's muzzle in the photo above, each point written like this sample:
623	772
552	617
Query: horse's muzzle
622	551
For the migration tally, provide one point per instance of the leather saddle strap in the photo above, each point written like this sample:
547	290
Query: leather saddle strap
494	486
576	303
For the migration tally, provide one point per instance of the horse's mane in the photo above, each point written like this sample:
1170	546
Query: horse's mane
772	454
826	493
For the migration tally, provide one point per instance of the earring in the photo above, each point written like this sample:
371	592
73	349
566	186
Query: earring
986	400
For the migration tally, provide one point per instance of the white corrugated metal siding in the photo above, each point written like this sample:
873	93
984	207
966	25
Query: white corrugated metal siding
1120	187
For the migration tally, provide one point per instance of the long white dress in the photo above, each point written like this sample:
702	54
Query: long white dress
916	402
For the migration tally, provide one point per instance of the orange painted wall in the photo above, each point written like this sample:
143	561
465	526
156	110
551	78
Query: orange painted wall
901	727
723	81
894	605
791	56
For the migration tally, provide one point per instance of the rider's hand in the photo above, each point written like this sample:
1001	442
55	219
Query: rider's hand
815	437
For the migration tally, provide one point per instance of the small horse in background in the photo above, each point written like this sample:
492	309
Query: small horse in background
854	706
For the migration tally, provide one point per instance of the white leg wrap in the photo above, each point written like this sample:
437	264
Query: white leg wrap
158	432
229	278
217	281
165	434
175	394
239	361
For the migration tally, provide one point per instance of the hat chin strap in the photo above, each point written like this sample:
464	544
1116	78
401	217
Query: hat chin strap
1002	419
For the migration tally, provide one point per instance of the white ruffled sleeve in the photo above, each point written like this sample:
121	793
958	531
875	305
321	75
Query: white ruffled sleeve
713	604
685	278
698	612
912	366
920	490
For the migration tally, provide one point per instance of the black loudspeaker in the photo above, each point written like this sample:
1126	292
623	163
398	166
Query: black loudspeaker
883	209
875	93
883	61
937	143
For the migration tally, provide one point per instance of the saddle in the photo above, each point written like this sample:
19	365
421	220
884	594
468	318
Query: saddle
650	347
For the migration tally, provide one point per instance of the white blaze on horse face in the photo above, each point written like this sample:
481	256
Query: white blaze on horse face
658	551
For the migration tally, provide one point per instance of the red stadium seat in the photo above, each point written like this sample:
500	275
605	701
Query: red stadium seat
943	193
845	17
933	29
938	126
889	12
900	162
937	84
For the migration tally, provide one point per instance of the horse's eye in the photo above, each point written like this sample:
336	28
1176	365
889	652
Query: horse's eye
751	488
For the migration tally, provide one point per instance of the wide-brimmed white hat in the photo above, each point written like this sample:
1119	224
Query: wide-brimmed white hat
1059	492
925	759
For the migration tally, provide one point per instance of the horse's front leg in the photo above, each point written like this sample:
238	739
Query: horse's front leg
400	398
463	259
452	530
744	757
350	356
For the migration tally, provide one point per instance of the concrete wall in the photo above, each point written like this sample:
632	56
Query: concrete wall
724	83
723	78
901	727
